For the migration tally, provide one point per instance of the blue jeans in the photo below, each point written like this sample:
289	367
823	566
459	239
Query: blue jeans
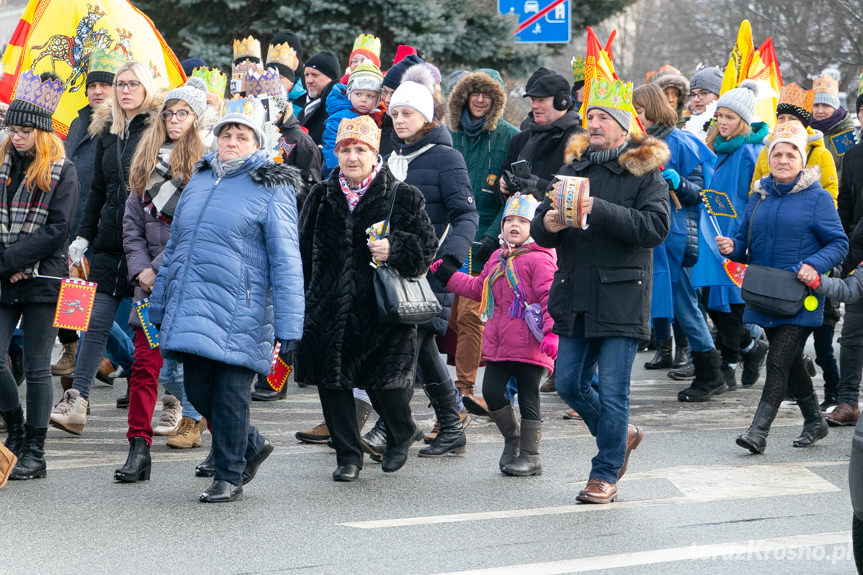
119	348
604	407
689	317
172	379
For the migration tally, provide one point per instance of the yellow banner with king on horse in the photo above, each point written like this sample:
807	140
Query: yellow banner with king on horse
59	35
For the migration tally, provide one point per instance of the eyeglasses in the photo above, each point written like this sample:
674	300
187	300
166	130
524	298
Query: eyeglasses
699	95
133	85
181	115
13	133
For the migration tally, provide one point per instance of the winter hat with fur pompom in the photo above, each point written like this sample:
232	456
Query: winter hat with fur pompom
741	100
415	91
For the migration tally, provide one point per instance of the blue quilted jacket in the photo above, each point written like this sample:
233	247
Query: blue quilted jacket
231	279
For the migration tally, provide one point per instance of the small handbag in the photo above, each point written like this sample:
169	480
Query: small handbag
402	300
771	291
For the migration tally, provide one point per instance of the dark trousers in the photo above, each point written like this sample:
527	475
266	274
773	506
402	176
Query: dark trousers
526	375
851	354
822	339
393	406
67	336
731	335
222	394
784	365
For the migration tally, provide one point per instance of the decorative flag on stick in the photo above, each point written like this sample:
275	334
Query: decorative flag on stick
599	66
280	370
59	35
718	204
764	67
142	308
75	304
737	69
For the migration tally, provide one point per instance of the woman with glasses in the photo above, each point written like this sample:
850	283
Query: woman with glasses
119	127
160	170
38	191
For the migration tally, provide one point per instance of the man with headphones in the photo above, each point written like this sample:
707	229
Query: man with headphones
552	121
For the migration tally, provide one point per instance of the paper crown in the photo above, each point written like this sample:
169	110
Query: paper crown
33	90
214	78
238	74
789	131
368	43
262	83
247	48
826	84
108	60
616	95
521	206
794	94
251	108
361	128
283	54
578	69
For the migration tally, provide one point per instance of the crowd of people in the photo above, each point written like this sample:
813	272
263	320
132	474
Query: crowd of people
246	218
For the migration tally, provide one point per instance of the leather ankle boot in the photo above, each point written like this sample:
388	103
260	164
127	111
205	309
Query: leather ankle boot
451	438
662	358
814	425
507	423
363	410
755	438
206	468
527	462
137	466
15	436
375	441
31	464
681	357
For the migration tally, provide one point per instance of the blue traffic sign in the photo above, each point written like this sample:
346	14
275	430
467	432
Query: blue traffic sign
539	21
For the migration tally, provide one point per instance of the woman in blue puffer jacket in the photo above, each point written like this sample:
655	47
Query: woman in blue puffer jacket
794	226
231	283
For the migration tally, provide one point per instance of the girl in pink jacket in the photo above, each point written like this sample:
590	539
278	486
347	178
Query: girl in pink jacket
513	288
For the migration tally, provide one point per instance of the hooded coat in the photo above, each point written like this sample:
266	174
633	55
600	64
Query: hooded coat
343	344
484	154
605	271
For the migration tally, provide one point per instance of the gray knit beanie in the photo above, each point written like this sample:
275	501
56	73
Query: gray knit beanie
193	92
709	79
740	100
620	116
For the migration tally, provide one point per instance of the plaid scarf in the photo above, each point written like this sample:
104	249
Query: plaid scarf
354	194
504	267
28	210
161	197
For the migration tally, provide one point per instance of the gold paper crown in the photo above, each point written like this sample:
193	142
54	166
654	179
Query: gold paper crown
33	90
368	43
283	54
214	78
790	131
361	128
794	94
578	69
106	60
616	95
826	84
247	48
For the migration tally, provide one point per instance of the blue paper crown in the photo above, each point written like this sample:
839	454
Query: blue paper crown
521	206
33	90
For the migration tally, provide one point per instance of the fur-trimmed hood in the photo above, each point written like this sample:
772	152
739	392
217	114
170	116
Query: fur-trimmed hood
642	153
809	176
269	174
674	80
103	115
467	85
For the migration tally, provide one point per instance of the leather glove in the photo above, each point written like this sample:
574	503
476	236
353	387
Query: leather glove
285	350
671	176
444	271
483	251
528	185
549	345
77	249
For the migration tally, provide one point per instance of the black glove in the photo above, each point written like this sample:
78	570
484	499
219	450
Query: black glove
483	251
528	185
285	350
445	271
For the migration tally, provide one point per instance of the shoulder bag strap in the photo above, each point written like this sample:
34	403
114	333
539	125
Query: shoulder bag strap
749	233
390	204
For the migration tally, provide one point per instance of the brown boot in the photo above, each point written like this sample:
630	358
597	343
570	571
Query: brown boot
318	434
106	368
430	436
188	435
842	415
66	364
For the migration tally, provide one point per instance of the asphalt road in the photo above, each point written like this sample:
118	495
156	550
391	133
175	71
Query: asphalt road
692	501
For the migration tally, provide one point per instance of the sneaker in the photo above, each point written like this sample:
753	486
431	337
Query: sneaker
169	420
70	414
318	434
189	434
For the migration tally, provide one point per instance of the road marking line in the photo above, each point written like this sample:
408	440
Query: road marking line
753	549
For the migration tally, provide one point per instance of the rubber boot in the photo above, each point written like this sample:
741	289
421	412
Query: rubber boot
507	423
15	435
662	358
708	378
527	462
31	464
451	438
137	466
755	438
814	424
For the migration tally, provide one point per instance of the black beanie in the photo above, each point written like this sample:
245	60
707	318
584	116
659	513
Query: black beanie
326	63
293	41
393	77
21	113
283	71
796	111
104	77
190	64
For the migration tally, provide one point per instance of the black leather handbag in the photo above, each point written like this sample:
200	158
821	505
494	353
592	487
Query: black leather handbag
769	290
402	300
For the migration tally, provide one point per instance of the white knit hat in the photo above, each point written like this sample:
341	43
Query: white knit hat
414	96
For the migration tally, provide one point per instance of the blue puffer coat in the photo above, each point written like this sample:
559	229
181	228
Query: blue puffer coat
791	227
441	175
231	272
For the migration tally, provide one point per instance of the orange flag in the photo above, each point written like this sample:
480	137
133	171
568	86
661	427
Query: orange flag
598	65
765	67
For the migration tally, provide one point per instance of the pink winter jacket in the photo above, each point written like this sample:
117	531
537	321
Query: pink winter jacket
506	338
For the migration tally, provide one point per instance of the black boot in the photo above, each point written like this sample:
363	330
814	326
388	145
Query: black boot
263	391
708	379
451	438
814	425
123	401
507	423
15	435
206	468
527	462
684	373
364	408
729	377
375	441
31	464
681	351
662	358
137	466
752	362
755	438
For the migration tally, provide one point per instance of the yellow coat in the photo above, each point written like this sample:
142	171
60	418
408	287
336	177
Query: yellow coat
818	155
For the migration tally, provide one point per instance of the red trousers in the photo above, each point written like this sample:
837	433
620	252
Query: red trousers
143	388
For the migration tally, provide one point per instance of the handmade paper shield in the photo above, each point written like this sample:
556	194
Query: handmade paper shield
735	271
75	304
142	308
718	204
279	372
843	141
